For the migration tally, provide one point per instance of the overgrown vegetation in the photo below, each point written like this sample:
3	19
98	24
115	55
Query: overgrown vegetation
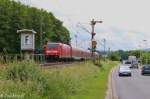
95	85
78	81
15	16
145	57
28	79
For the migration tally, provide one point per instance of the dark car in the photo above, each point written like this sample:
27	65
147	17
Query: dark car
145	69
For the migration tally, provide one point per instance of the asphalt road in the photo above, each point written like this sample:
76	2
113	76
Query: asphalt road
135	87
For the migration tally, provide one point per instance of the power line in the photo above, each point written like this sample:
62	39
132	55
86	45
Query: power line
82	27
70	22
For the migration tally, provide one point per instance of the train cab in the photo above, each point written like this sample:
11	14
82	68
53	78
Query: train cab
57	51
52	50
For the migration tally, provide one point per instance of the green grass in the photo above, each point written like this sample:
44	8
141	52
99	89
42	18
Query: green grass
78	81
94	87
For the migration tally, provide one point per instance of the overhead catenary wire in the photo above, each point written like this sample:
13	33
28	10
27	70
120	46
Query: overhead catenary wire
72	26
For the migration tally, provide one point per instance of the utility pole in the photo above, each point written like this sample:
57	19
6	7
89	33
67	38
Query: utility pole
146	60
93	42
140	58
76	36
42	33
104	46
108	52
41	30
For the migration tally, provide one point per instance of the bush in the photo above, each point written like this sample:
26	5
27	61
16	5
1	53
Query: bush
22	71
114	57
29	79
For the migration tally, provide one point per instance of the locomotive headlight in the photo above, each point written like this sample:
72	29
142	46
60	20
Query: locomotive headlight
48	51
54	51
51	51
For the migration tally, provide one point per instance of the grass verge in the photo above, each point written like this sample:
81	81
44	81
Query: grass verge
26	80
95	86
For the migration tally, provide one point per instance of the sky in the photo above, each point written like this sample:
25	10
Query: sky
126	23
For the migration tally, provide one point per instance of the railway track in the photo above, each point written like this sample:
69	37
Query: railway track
57	64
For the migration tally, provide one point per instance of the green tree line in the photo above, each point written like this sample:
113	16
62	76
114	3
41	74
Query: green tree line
123	55
15	16
142	56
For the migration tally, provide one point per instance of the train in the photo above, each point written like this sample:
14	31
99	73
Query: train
60	51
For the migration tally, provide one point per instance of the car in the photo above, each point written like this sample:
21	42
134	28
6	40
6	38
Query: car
145	70
124	71
127	63
134	65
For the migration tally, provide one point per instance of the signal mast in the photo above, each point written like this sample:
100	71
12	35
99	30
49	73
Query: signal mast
93	41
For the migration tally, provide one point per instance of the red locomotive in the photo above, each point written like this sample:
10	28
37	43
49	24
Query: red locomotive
62	51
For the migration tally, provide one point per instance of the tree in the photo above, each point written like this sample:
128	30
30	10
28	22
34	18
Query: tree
15	16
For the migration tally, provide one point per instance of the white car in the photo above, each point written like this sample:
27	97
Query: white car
128	63
124	71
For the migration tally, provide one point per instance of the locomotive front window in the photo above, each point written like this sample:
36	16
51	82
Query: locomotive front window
52	45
